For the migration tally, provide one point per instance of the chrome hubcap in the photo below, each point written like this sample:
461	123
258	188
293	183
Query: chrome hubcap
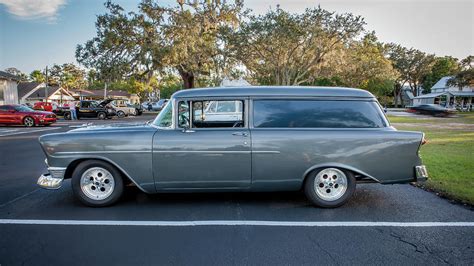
97	183
29	121
330	184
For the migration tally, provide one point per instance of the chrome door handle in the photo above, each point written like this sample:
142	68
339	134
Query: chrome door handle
243	134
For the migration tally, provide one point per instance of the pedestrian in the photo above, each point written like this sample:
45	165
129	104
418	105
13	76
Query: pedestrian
149	107
72	109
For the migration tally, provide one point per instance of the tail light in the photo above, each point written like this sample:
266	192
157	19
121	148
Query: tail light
423	140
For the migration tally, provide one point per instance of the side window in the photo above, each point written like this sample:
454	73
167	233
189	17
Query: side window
317	114
85	104
218	114
4	108
183	114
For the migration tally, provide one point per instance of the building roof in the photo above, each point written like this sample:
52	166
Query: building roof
431	95
39	94
441	84
274	91
462	93
26	87
8	76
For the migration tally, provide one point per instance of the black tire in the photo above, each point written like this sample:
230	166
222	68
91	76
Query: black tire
317	200
67	116
28	121
101	115
120	114
81	195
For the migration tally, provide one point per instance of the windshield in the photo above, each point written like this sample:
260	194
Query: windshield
22	108
165	117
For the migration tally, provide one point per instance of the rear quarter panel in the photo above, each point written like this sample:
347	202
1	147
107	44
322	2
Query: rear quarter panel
282	157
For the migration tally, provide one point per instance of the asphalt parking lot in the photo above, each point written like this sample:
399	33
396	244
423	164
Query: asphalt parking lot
392	224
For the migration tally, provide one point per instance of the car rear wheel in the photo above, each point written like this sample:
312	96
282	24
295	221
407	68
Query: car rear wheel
329	187
28	121
97	183
120	114
101	115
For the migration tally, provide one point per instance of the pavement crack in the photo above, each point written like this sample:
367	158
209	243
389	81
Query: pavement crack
399	238
321	247
19	198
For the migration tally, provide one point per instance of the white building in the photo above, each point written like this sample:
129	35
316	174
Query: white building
8	88
32	92
448	96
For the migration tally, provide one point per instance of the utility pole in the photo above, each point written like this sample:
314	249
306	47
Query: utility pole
46	87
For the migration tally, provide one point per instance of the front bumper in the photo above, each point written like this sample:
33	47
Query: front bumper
421	173
53	179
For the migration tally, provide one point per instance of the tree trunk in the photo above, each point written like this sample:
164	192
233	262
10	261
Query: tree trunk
187	77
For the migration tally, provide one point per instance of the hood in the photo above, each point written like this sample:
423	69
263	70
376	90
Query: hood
40	113
105	102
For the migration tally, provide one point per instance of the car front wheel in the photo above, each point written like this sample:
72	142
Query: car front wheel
28	121
97	183
101	115
330	187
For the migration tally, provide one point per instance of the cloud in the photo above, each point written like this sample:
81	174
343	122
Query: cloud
34	9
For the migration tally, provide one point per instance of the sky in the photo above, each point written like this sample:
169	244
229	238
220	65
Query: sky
37	33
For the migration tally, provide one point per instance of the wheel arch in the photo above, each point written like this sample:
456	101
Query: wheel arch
310	170
72	165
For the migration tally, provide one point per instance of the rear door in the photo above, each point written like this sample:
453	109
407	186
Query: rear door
201	154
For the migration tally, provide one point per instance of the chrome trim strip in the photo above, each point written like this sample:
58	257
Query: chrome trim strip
94	152
213	152
266	152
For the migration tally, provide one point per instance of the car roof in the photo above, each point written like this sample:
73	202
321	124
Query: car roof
294	91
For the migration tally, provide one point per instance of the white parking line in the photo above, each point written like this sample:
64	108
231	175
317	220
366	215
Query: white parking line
5	134
235	223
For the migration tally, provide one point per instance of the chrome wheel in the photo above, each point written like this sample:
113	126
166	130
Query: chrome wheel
97	183
330	184
29	122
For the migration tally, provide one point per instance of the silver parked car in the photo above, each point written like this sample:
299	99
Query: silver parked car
321	140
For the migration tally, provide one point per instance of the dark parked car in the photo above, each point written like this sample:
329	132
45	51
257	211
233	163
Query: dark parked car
320	140
23	115
431	109
92	109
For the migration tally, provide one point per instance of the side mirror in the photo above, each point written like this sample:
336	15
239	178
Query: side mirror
186	129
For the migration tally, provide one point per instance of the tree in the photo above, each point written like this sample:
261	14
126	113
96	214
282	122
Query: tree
68	76
462	79
468	62
289	49
182	38
15	71
411	64
364	66
443	66
37	76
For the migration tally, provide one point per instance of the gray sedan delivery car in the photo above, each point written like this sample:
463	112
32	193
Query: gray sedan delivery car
321	140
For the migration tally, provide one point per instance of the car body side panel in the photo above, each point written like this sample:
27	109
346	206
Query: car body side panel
130	149
282	157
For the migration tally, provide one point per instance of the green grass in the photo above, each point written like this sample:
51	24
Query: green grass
465	118
449	154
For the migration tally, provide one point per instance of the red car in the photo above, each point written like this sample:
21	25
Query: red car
15	114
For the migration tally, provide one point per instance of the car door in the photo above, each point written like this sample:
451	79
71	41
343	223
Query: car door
86	109
198	155
4	113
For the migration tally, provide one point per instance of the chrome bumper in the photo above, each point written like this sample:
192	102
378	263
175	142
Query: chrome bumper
53	179
421	173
